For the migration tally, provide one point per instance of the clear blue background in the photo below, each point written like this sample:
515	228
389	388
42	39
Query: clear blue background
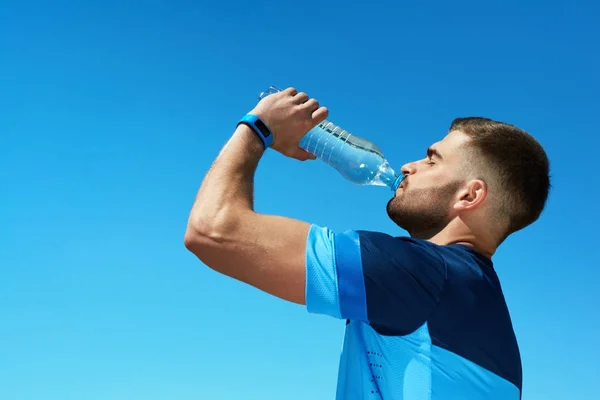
111	113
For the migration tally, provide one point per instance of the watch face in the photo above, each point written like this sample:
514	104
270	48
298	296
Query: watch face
263	128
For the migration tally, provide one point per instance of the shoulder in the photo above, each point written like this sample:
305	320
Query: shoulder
377	249
377	246
372	246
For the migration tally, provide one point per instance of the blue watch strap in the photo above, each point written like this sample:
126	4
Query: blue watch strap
259	127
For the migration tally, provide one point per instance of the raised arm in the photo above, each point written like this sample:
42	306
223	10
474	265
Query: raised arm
224	231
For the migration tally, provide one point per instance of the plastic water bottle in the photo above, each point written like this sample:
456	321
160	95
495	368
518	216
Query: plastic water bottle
358	160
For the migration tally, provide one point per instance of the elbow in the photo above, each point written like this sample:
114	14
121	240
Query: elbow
202	244
200	237
191	238
204	236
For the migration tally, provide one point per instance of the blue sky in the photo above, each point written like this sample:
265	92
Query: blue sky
111	112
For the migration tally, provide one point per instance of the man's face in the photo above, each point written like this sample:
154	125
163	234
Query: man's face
423	202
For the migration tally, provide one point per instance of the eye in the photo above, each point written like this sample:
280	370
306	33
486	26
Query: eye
430	162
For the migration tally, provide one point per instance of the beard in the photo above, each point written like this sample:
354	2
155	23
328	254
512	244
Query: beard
423	212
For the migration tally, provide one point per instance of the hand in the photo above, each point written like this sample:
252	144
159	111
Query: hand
290	115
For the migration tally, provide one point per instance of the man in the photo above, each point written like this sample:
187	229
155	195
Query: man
426	317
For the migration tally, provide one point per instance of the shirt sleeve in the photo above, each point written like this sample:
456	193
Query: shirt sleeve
395	283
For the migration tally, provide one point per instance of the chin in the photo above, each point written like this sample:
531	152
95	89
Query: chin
419	222
397	213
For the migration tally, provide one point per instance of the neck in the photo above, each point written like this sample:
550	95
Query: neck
456	232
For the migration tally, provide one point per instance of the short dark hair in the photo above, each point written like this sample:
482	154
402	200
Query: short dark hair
519	163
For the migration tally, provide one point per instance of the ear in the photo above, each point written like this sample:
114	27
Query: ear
471	195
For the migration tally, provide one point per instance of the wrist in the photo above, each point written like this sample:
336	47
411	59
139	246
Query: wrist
259	127
250	139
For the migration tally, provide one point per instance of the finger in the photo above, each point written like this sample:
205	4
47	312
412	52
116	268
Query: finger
312	105
300	98
290	91
303	155
319	115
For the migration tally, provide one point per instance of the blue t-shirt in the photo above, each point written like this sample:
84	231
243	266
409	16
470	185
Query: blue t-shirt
424	322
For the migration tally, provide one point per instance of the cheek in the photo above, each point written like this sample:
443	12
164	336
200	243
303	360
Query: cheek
418	197
423	197
434	183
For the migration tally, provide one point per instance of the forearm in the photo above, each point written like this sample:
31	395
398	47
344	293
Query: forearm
227	192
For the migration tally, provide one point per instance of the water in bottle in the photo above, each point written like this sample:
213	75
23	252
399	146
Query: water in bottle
358	160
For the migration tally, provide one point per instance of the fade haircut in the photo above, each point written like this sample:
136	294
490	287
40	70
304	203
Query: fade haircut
518	167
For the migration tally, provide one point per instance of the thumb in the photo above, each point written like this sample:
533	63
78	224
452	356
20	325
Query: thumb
303	155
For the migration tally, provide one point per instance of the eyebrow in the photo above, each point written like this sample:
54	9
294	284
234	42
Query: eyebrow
431	152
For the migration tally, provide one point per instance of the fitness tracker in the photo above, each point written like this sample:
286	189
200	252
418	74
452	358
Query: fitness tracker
259	127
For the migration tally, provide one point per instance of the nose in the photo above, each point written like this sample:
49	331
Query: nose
408	169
